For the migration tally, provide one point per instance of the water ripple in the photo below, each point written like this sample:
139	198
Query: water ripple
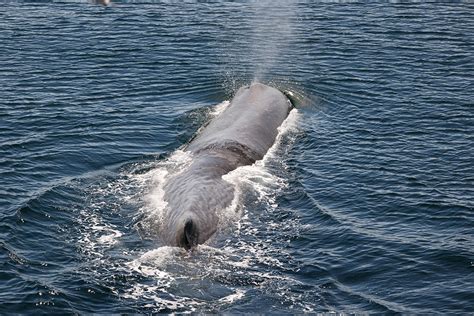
367	206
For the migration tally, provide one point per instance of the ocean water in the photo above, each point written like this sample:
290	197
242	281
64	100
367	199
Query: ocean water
365	204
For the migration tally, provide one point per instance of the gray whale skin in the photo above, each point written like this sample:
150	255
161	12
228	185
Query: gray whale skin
239	136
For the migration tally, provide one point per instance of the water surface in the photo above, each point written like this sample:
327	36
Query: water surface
364	204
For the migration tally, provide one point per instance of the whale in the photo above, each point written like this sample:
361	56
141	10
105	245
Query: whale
239	136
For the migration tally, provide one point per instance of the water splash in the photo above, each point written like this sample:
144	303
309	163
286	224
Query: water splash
241	248
247	251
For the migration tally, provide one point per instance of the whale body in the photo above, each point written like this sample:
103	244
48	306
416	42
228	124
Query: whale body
239	136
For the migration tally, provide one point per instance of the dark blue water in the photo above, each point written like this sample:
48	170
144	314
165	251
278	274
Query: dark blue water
364	205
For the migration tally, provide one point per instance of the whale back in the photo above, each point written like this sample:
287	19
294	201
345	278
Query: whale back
194	197
250	122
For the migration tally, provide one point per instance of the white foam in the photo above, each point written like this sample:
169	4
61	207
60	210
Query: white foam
111	238
97	234
155	266
153	262
239	294
218	109
140	291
